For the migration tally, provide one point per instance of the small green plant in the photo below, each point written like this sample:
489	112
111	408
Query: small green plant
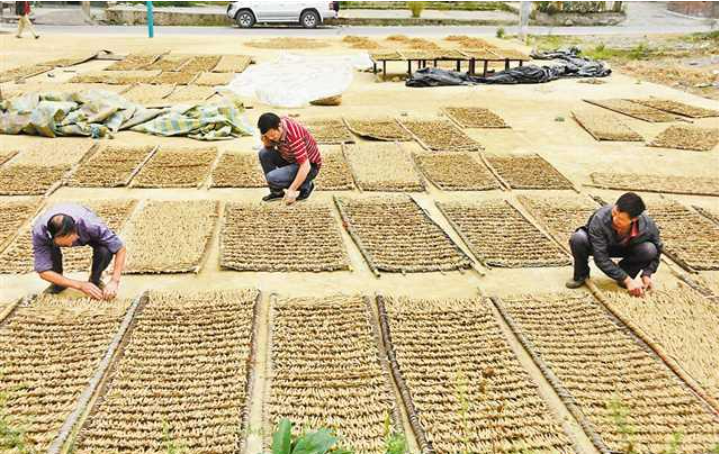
559	118
416	8
460	387
620	415
308	442
675	444
395	443
501	32
172	446
716	449
11	438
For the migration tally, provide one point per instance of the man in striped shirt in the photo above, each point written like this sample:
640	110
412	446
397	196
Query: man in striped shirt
290	158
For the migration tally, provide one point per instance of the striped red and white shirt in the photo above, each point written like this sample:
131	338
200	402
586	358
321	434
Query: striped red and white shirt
297	144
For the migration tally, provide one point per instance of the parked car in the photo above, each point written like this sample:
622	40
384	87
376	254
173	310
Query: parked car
307	14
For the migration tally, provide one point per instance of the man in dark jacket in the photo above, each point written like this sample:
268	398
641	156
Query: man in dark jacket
619	230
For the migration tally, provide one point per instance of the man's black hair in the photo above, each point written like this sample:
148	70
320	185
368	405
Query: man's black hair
61	225
268	121
631	204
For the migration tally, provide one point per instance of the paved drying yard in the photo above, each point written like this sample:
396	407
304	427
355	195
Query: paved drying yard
421	290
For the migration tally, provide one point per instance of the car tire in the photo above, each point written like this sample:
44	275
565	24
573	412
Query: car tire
245	18
310	19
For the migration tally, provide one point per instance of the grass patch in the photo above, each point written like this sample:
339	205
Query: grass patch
462	6
638	52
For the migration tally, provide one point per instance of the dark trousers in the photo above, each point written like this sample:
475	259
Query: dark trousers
634	258
280	174
101	258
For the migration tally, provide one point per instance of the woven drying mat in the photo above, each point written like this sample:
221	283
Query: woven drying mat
500	236
238	170
560	216
709	213
14	212
185	369
335	174
682	324
30	179
329	131
396	235
633	110
605	126
676	107
176	167
689	239
675	184
112	166
475	117
440	135
52	347
457	172
383	167
170	237
327	369
304	237
602	372
445	351
386	129
18	257
687	138
528	171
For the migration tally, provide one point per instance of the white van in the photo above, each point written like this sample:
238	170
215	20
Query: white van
307	14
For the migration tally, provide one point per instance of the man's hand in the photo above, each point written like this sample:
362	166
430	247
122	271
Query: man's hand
291	196
110	291
91	290
647	281
634	287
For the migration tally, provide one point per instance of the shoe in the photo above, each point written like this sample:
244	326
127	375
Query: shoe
18	37
37	36
273	196
54	289
306	195
574	284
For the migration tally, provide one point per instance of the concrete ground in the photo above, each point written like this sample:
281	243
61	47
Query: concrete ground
532	111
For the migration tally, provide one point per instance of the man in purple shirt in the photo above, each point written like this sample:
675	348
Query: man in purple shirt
73	225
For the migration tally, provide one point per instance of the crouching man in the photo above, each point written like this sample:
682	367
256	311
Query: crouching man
290	158
73	225
619	230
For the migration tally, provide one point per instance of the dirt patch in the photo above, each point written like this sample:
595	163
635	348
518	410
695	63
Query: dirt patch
305	237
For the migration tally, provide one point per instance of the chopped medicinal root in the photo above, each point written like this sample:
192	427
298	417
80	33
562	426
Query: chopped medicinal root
709	213
14	212
528	171
683	323
212	79
133	62
690	239
239	170
383	167
59	151
303	237
395	235
675	184
118	77
687	138
457	172
191	93
50	350
176	167
201	63
175	78
329	132
170	237
633	110
676	107
560	216
475	117
499	235
182	379
605	126
440	135
233	64
112	166
326	370
335	174
29	179
148	93
23	72
386	129
614	386
467	391
18	257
